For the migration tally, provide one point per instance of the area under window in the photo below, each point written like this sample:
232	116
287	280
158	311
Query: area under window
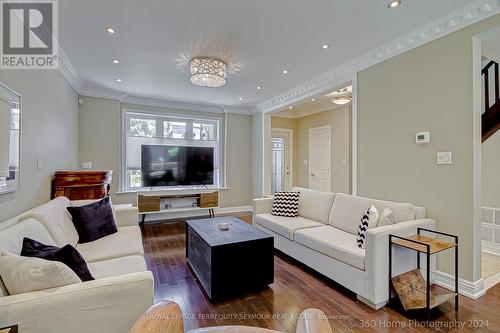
153	144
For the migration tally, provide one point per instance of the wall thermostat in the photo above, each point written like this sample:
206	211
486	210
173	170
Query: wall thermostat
423	138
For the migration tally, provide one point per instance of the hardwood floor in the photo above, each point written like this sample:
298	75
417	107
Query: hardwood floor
295	288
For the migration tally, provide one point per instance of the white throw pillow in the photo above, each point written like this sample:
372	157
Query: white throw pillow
368	220
26	274
387	218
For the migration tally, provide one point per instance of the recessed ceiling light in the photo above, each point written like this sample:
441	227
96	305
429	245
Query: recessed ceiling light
118	80
116	61
290	107
240	98
110	30
394	3
325	46
285	71
313	100
259	87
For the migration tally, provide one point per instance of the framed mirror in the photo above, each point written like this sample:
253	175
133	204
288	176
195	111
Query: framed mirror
10	139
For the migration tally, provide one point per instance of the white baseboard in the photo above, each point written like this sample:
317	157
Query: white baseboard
491	281
196	213
466	288
490	247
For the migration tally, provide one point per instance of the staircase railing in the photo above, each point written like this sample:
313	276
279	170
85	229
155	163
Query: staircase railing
491	116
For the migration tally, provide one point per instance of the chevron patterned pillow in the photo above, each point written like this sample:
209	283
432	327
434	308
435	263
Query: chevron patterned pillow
286	204
368	220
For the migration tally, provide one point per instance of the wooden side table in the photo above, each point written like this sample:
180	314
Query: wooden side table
82	184
413	290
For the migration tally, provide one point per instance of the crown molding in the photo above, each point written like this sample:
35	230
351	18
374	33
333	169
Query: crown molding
474	12
69	72
295	114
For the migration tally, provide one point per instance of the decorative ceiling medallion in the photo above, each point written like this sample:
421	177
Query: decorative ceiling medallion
208	72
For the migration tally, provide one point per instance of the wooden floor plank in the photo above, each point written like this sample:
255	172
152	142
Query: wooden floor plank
296	288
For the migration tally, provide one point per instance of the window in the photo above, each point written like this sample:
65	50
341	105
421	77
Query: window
155	129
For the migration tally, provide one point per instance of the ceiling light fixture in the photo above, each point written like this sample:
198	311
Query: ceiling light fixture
290	107
285	71
313	100
325	46
208	72
110	30
342	97
116	61
118	80
394	4
259	87
240	98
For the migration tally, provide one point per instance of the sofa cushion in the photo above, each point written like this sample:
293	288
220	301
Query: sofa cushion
334	243
315	205
11	239
347	209
127	241
24	274
285	226
56	219
117	266
67	254
286	204
93	221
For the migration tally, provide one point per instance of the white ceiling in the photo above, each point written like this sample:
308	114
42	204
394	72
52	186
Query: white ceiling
258	39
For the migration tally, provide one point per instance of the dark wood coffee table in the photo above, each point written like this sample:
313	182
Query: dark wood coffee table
231	262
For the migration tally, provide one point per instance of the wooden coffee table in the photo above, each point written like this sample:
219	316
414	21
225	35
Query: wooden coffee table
231	262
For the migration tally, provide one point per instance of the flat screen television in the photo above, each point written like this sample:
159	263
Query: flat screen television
176	165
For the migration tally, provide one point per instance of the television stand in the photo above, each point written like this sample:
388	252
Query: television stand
177	200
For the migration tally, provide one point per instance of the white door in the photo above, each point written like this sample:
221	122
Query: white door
281	160
320	177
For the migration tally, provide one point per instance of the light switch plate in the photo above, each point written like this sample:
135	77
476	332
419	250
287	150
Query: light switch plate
39	163
306	162
444	158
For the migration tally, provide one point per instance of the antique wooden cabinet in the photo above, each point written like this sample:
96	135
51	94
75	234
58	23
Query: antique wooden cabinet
82	184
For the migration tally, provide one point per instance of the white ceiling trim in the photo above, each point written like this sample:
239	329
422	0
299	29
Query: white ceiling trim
153	102
69	72
294	114
461	18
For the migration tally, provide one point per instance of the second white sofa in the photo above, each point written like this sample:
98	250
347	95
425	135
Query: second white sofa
122	289
323	237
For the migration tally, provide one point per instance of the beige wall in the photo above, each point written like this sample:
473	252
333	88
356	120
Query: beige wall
490	176
49	131
339	120
100	142
428	88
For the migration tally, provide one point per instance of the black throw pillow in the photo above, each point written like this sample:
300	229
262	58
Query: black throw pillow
67	254
93	221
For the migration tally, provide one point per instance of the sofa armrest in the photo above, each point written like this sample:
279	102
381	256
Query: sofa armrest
109	305
377	257
313	321
126	215
262	205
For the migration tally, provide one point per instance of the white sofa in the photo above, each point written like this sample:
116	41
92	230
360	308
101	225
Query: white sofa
323	237
122	289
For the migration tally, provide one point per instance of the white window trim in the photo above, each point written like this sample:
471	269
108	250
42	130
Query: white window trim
222	135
